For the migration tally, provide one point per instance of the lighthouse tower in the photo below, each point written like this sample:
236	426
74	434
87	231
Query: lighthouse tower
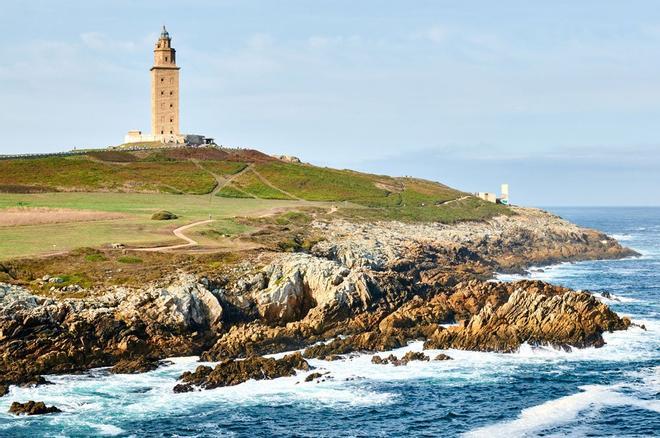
165	92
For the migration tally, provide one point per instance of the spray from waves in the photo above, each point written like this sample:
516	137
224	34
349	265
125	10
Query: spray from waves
566	410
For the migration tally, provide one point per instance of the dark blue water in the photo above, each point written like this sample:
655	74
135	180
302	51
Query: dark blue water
611	391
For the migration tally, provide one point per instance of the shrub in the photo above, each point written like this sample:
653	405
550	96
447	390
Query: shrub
95	258
129	260
164	215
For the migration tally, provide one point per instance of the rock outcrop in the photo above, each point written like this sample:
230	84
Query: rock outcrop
232	372
40	335
367	287
32	408
393	360
564	320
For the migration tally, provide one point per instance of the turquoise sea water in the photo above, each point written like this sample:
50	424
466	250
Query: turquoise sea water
611	391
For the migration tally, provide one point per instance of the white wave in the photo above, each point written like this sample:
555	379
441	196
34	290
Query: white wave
623	237
565	410
615	299
106	429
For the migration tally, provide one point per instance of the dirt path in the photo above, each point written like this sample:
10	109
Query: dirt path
455	200
178	233
222	181
273	186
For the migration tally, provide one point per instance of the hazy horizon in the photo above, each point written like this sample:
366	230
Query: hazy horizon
560	100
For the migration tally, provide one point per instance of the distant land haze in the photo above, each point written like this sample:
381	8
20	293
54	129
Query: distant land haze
561	100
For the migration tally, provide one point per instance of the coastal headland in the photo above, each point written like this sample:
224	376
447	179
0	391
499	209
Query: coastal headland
287	257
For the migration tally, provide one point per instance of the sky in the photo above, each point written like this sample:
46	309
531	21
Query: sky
560	99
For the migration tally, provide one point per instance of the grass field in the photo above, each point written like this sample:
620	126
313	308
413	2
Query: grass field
135	229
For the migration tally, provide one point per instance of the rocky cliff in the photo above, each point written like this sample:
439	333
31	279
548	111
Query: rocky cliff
364	287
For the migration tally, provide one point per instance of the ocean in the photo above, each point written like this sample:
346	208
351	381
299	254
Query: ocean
609	391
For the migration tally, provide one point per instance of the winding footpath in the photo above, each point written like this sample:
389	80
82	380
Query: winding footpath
178	233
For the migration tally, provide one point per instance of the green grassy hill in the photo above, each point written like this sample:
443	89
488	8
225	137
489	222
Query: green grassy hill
243	174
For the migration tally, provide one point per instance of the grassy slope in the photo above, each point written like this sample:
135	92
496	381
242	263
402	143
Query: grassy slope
250	183
125	174
116	176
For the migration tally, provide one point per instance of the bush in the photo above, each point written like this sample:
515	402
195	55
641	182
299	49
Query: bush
95	258
129	259
164	215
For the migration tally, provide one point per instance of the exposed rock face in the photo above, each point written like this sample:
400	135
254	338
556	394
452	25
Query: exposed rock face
300	282
233	372
366	287
32	408
39	335
570	319
531	236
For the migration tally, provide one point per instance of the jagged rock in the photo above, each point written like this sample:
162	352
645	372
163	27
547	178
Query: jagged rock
443	356
40	335
32	408
375	285
4	390
313	376
530	236
565	320
256	340
392	359
134	366
300	282
232	372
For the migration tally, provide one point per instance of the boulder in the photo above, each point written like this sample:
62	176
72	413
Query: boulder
443	356
32	408
392	359
313	377
134	366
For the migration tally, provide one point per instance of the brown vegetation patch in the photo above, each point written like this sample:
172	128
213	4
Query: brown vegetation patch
393	187
98	269
114	156
17	216
249	156
196	153
19	188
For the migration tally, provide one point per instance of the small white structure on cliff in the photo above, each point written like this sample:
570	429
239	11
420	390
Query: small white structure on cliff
491	197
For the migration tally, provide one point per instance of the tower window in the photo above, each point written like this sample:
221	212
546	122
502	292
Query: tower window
161	131
170	105
170	93
170	132
162	79
162	92
171	120
166	59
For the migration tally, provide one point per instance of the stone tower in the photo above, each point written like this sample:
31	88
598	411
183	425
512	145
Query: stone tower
165	91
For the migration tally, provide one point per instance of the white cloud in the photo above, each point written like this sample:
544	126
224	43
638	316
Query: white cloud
434	34
260	41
